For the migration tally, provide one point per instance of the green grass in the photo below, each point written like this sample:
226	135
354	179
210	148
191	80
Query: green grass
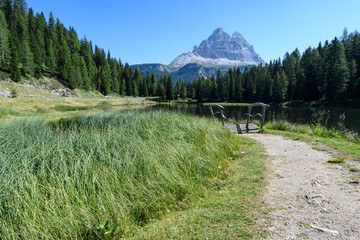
344	140
59	107
354	169
337	160
228	210
5	112
20	89
61	179
65	108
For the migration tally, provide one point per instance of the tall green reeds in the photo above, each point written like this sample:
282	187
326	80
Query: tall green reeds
60	180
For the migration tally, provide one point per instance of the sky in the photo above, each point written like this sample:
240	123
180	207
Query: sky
157	31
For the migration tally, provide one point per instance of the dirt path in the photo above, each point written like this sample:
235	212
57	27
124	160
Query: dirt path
308	197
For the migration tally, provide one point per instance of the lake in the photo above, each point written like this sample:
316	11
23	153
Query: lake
329	116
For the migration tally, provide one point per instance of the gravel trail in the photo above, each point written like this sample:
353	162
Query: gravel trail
308	197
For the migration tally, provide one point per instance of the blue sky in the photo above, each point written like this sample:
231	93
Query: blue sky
157	31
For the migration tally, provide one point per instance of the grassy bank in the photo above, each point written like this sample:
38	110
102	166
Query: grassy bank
343	139
55	107
61	180
350	103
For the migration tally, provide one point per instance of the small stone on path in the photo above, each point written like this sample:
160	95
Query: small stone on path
333	232
315	198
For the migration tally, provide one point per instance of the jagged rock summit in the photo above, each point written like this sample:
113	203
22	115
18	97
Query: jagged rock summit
220	49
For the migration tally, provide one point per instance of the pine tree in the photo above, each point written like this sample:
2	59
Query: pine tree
289	64
27	59
337	71
123	87
84	75
161	91
20	36
231	85
50	46
14	63
128	80
105	76
137	79
50	61
145	88
353	78
35	44
169	89
4	43
154	84
238	86
247	85
268	90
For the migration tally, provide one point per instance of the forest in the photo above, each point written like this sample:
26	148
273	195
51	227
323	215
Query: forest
31	46
329	72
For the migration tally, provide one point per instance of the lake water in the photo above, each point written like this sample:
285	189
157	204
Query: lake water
329	116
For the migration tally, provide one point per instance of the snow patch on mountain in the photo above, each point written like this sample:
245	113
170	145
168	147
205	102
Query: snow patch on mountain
190	57
220	49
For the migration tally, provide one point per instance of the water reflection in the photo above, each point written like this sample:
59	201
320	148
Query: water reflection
303	115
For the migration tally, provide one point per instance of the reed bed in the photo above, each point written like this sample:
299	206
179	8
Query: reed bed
62	179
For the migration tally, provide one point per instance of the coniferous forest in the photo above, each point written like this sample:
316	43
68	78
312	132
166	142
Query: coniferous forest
328	72
31	45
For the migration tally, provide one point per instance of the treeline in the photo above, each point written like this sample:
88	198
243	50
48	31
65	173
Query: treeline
328	72
32	46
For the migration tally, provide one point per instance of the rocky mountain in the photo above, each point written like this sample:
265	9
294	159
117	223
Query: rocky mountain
220	50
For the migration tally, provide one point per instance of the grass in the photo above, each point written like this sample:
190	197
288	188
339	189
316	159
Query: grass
20	89
344	140
55	107
228	210
65	108
354	169
77	178
337	160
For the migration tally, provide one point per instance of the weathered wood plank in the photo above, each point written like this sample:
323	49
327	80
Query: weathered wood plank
241	128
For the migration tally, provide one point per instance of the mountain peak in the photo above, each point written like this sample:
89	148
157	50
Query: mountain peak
218	35
218	31
221	49
237	35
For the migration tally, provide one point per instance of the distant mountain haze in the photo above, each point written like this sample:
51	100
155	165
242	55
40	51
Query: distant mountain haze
220	50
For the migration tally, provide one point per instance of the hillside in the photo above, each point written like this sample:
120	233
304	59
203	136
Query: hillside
45	86
33	46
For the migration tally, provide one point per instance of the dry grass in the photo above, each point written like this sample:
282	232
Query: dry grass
49	106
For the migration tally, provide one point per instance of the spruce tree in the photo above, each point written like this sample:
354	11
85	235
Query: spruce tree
14	63
122	87
232	89
169	89
154	85
161	91
289	68
4	43
337	71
